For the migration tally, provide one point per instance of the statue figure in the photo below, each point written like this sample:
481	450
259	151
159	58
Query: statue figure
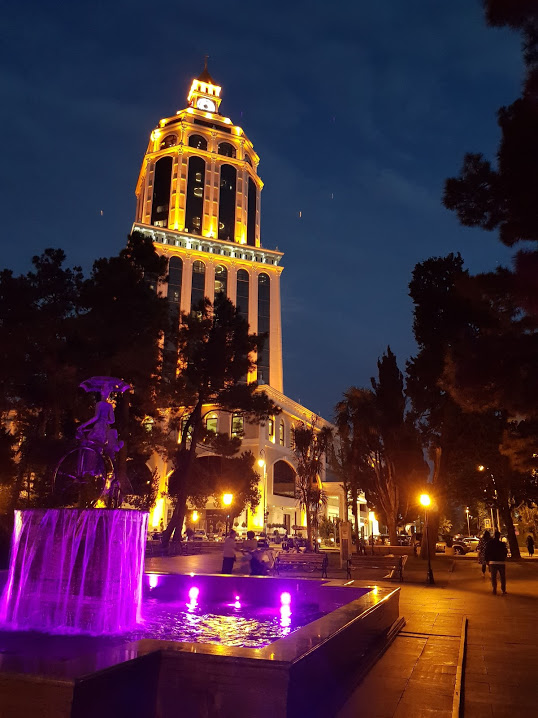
89	468
101	432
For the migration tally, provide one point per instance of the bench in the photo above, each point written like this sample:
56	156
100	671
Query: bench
394	564
302	562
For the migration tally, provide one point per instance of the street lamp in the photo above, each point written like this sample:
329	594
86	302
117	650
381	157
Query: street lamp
468	526
263	465
195	516
426	501
371	516
227	501
481	467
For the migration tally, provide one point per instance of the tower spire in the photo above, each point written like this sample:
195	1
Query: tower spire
205	76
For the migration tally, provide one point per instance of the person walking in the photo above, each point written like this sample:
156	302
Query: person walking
228	553
481	548
496	553
530	545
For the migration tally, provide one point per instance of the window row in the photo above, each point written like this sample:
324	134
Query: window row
198	292
226	149
198	289
194	205
211	426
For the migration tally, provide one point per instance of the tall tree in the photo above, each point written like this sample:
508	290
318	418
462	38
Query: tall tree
79	328
311	443
215	353
385	444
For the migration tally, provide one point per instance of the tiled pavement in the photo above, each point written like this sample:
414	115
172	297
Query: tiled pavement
416	675
415	678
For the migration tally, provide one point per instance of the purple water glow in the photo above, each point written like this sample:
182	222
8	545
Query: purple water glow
229	624
75	571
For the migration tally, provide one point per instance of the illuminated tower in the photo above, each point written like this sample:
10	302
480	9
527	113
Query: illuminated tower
198	197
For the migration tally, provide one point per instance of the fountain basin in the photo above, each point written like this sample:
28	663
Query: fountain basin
312	669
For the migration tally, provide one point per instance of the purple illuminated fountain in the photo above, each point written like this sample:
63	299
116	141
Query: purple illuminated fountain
79	570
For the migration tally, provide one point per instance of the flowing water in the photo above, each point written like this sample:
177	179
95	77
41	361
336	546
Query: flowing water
75	571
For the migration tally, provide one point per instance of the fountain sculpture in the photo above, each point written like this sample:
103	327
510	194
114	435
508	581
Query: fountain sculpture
79	570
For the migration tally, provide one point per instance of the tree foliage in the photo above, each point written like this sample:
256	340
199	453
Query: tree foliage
215	353
384	444
311	443
57	328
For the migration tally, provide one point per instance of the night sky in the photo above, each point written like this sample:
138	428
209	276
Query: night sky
359	111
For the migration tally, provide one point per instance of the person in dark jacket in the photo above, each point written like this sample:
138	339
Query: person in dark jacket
481	548
496	553
530	545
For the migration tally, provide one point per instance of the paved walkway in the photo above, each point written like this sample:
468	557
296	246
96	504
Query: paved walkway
416	677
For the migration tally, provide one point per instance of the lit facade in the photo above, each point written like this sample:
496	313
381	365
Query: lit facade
198	198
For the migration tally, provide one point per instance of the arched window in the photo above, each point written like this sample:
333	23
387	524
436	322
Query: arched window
247	158
264	312
160	205
242	293
226	149
198	283
228	181
168	141
283	479
197	141
221	280
194	209
175	276
251	212
281	433
211	422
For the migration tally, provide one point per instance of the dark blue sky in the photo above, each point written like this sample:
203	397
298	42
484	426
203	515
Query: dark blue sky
359	111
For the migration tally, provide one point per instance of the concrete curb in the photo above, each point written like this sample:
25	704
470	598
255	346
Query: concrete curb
457	703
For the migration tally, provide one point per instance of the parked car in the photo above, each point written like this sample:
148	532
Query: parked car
471	542
199	535
459	546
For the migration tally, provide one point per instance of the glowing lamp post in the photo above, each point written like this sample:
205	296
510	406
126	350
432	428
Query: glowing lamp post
468	524
263	466
371	516
227	500
425	501
195	516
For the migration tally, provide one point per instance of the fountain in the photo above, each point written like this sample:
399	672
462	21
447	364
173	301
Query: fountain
71	641
70	570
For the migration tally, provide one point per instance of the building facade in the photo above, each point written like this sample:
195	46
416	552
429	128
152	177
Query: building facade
198	198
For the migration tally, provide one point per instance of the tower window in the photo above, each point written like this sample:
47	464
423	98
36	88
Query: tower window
198	284
251	212
242	293
221	279
170	346
195	194
198	142
264	311
226	149
281	433
247	159
226	221
161	192
168	141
